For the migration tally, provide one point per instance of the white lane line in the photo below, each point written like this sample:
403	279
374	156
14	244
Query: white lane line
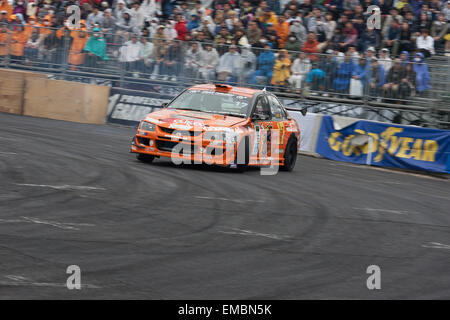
62	187
243	232
15	280
386	211
7	153
436	245
60	225
226	199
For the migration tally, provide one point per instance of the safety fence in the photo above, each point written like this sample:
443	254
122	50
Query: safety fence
150	64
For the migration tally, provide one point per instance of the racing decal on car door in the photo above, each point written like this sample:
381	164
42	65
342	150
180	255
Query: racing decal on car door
256	140
281	130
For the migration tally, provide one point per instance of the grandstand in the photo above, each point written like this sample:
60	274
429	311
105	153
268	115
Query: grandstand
297	48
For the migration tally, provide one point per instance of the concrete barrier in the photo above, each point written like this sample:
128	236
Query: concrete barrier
64	100
12	89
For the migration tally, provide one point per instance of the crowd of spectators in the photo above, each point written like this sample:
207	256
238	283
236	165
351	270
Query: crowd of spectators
325	45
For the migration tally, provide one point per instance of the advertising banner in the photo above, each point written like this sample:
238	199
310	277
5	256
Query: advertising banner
386	145
128	107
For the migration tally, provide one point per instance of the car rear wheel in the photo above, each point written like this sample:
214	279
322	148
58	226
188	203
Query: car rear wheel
147	158
290	155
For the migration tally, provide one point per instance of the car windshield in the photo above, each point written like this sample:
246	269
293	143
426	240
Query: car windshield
212	102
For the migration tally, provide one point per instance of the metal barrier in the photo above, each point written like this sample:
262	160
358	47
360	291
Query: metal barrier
326	78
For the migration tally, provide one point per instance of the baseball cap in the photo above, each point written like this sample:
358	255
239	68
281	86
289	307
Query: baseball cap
371	49
329	51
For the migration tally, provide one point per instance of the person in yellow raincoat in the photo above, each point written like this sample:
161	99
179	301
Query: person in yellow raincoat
18	40
76	54
281	69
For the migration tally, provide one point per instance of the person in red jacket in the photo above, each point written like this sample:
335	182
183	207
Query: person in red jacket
180	27
311	46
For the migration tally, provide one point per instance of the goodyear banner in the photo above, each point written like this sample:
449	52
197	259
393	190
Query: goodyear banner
390	145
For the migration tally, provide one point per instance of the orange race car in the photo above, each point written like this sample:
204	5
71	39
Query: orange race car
222	125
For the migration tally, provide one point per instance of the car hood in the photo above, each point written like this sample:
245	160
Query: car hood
188	120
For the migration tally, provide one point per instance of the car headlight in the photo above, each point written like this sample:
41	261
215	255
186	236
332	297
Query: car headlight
147	126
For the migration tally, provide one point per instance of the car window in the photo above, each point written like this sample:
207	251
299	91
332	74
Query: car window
262	107
276	109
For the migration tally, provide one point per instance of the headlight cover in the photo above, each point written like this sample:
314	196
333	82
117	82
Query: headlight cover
147	126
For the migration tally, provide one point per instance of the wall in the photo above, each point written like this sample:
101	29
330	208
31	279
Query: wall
64	100
12	86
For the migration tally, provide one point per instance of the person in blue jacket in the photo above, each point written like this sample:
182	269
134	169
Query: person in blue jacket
422	74
266	61
360	70
343	75
193	23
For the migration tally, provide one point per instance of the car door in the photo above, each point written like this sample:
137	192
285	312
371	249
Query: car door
279	123
262	124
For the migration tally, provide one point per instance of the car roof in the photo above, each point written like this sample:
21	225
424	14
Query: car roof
248	92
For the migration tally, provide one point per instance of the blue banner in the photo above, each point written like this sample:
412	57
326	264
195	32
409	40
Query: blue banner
391	145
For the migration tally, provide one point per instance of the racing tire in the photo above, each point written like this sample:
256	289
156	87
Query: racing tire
242	149
290	155
146	158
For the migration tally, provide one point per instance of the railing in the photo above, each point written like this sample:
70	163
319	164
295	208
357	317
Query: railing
64	58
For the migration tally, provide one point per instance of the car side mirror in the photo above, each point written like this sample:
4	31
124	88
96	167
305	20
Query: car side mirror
163	105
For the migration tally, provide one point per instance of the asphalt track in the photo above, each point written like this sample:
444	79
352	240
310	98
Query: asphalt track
71	194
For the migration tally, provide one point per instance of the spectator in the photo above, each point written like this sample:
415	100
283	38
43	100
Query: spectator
425	43
351	36
329	66
76	54
94	18
6	9
138	15
266	62
192	61
293	46
369	39
282	29
248	64
405	38
146	55
229	65
385	60
299	31
181	27
311	47
169	30
316	78
240	39
130	53
299	70
193	23
151	8
392	38
281	69
31	51
393	80
209	59
18	41
120	10
160	47
438	31
343	75
408	82
173	61
108	25
4	41
125	26
375	78
422	75
95	48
